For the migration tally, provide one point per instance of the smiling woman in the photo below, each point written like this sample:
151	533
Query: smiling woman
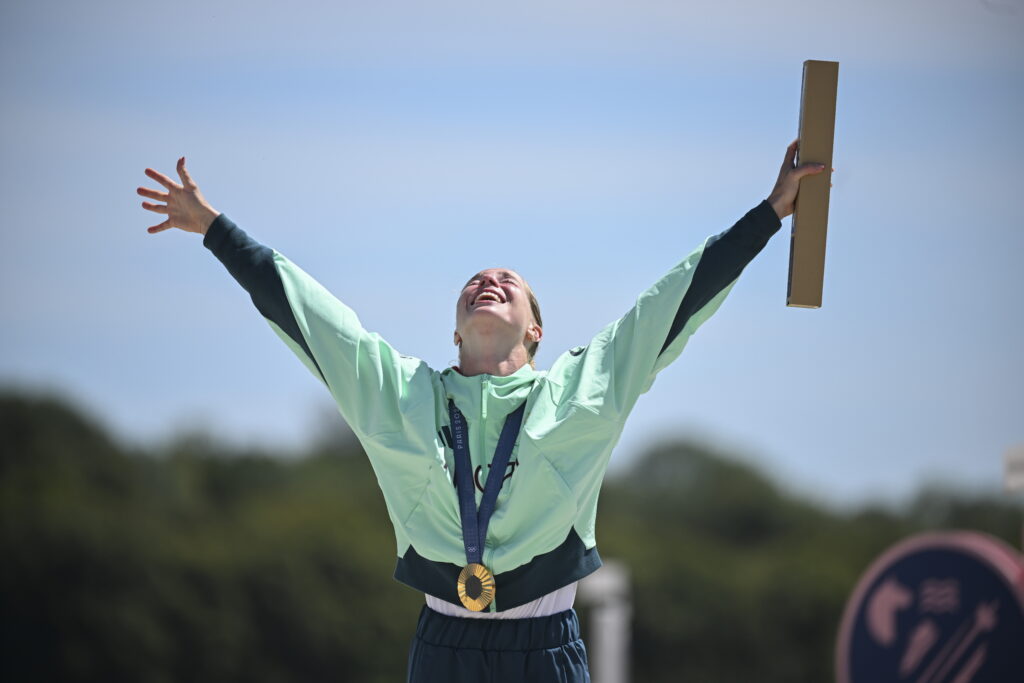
491	469
496	305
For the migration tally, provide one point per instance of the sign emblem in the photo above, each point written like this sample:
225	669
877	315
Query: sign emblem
936	608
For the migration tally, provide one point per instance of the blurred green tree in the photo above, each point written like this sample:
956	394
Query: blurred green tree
196	561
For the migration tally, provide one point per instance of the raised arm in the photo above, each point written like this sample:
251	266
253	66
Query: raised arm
252	265
368	378
727	254
248	261
621	361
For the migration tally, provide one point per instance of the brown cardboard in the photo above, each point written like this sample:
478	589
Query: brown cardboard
810	215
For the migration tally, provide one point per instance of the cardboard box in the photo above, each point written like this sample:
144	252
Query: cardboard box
810	216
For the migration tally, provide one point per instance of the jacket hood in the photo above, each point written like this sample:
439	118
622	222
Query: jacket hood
483	396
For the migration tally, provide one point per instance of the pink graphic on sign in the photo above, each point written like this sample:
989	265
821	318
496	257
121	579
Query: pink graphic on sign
923	638
939	595
983	620
966	674
890	598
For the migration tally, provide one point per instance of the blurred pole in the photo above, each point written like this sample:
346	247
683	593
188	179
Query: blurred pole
607	592
1015	476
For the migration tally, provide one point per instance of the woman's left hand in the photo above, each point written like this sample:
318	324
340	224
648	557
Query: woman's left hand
783	197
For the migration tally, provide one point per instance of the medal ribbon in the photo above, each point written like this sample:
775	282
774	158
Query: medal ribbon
474	522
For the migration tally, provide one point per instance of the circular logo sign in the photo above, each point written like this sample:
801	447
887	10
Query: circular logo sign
936	608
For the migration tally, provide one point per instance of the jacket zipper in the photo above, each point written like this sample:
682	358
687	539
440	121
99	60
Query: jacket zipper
485	454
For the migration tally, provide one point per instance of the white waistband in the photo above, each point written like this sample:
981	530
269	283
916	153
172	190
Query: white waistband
552	603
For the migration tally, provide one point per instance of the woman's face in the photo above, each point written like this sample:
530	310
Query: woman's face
494	298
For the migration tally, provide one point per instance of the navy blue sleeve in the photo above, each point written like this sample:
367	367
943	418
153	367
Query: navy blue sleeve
724	258
252	265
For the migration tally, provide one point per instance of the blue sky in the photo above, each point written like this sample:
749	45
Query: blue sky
392	149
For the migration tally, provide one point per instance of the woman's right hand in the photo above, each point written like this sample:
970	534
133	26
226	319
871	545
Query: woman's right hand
185	206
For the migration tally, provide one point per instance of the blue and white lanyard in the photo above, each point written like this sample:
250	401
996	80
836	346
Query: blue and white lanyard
474	522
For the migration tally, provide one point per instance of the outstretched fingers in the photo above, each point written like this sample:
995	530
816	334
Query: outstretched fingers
153	194
160	227
186	179
162	179
156	208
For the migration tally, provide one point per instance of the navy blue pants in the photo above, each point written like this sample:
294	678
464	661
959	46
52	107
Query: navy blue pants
539	650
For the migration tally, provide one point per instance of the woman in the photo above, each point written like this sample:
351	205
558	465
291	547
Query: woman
490	469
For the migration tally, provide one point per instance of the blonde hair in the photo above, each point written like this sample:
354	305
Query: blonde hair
531	349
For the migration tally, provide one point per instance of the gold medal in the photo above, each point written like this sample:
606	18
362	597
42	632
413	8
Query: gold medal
476	587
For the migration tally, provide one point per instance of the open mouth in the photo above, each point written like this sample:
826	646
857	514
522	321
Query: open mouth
490	296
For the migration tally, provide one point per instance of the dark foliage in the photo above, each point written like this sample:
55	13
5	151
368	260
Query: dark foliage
198	563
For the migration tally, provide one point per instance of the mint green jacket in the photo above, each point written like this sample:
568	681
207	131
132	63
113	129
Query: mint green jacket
542	533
